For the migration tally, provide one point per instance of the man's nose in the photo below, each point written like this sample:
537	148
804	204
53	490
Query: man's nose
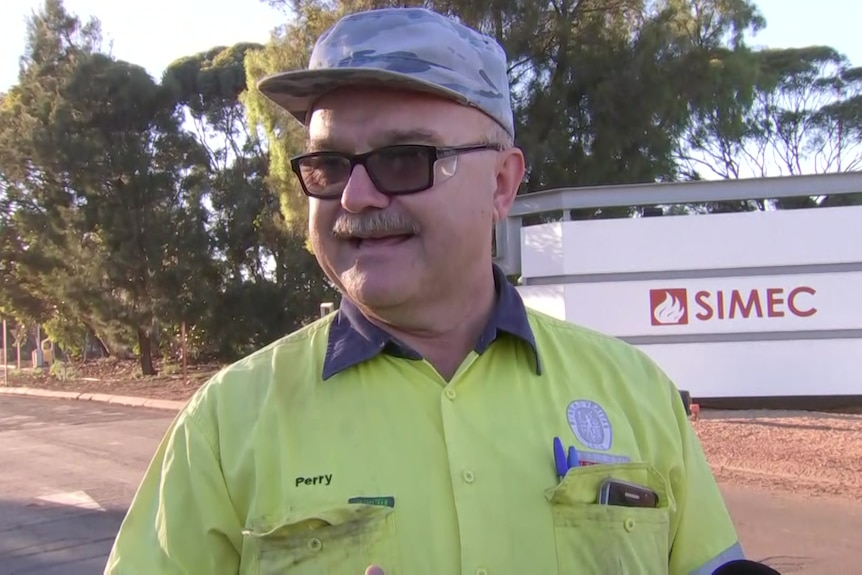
360	194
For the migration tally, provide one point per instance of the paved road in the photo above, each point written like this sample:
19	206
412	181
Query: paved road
76	455
69	469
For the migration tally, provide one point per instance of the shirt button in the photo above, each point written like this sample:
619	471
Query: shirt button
629	524
469	477
481	571
314	544
450	393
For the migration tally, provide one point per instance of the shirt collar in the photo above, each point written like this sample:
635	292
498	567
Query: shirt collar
353	339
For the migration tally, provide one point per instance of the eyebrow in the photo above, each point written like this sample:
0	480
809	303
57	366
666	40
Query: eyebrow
414	136
327	144
388	138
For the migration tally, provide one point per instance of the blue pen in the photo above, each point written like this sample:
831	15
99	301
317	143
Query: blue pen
574	463
560	458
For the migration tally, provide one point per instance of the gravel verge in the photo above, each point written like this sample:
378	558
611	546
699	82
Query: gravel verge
804	453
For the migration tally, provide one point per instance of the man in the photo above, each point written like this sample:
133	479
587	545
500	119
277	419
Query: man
414	430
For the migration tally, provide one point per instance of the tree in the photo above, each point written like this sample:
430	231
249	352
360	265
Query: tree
96	151
36	204
797	111
269	281
289	48
602	89
807	104
208	85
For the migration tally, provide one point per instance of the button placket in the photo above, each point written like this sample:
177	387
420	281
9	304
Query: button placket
462	460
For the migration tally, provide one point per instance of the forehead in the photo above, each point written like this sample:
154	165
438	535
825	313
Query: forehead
355	119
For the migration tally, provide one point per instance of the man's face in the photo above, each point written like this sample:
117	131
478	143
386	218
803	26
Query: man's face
394	251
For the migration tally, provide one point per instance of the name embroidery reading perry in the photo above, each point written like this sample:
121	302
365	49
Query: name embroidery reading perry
317	480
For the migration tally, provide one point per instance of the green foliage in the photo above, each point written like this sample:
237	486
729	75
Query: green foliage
799	114
68	335
62	371
289	49
96	151
257	243
170	368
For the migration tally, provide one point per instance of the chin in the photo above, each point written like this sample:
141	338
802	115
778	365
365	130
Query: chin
378	290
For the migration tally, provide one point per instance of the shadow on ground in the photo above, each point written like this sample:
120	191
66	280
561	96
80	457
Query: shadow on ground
47	539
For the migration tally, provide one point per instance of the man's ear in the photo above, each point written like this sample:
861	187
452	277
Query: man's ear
511	168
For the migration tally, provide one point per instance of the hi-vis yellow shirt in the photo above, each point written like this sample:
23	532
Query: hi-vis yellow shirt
336	448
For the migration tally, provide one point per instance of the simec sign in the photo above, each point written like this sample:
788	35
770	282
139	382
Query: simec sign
672	306
818	302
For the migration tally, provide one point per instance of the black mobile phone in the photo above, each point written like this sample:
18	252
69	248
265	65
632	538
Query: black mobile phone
625	494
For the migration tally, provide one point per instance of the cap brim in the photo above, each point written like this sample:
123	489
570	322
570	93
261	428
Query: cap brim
297	92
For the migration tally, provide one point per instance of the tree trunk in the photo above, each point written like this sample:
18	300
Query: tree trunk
86	346
146	346
105	351
94	337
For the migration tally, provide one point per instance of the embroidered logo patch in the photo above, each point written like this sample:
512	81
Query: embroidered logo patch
590	424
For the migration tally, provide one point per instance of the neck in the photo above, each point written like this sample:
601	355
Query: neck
446	332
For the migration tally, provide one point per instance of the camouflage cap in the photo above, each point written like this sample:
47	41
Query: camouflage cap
407	48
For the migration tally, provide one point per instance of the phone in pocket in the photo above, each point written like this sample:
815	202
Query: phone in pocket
622	493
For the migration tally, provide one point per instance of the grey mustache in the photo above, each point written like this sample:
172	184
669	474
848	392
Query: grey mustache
373	224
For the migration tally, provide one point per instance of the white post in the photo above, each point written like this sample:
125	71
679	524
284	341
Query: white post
5	367
18	343
326	308
39	358
185	353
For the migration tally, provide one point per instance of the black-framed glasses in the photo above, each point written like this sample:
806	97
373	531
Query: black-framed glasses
394	170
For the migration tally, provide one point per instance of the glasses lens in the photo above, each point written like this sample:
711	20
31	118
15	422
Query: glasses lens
324	174
402	169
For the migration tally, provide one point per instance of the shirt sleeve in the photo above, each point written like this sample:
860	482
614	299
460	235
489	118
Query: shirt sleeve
704	536
181	520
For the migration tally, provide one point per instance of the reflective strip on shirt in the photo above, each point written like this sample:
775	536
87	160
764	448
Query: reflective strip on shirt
732	553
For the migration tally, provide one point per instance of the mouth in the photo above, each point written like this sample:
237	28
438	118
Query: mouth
379	241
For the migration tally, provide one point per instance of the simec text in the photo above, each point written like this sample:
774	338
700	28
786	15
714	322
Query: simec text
770	302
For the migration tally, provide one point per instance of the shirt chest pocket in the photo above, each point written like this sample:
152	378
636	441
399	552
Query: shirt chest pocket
343	539
610	539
